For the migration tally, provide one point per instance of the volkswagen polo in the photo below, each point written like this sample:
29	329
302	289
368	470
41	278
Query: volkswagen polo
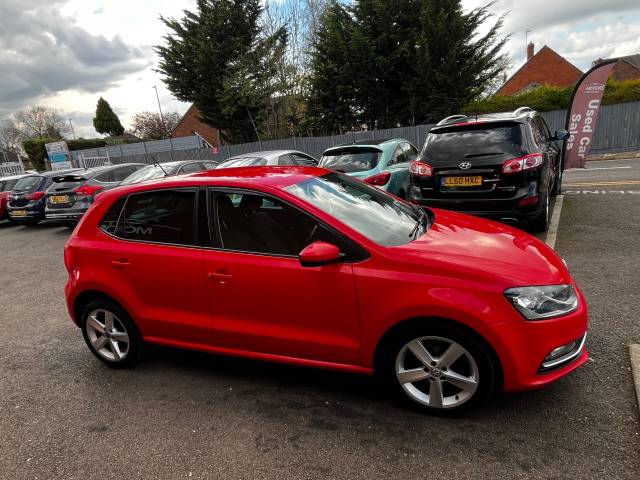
306	266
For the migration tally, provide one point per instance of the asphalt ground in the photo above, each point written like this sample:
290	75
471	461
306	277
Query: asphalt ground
63	415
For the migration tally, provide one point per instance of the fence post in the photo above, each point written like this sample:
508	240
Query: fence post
121	153
146	158
171	149
418	146
295	143
198	153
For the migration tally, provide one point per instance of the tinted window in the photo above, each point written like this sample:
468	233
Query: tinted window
410	151
28	183
165	216
109	223
244	162
542	128
350	160
456	143
375	214
210	165
121	173
191	168
254	223
106	177
398	156
150	173
285	160
301	159
8	185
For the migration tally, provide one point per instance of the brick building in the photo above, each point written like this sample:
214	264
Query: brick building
190	124
543	68
627	68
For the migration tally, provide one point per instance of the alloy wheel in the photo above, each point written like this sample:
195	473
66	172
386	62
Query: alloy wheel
437	372
107	334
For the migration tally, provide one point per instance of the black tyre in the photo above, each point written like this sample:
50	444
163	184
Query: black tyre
438	367
540	223
110	334
30	223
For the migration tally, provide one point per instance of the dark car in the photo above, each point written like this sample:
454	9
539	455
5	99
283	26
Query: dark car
169	169
270	158
6	185
71	194
27	199
503	165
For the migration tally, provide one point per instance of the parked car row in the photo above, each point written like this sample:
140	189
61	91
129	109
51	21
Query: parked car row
64	196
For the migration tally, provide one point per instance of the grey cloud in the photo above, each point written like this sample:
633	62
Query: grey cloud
42	52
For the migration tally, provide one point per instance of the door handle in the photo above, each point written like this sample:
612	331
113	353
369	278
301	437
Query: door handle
120	263
221	276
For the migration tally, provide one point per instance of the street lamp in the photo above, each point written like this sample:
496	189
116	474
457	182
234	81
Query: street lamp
158	98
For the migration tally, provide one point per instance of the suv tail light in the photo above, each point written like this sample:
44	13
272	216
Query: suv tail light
421	169
519	164
378	180
88	190
35	196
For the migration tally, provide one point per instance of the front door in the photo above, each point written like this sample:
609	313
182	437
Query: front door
262	299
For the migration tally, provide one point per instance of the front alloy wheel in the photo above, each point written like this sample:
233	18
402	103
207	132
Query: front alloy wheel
437	372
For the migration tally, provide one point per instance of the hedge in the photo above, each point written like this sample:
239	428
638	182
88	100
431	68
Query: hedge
547	97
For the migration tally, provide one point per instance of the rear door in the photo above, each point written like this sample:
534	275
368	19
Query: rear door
398	166
157	259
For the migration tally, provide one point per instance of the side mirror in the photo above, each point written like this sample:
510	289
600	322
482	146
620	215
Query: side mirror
560	135
319	253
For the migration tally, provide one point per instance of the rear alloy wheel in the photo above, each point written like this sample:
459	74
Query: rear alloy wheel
442	371
110	334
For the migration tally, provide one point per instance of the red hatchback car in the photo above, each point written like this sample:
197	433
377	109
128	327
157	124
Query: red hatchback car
311	267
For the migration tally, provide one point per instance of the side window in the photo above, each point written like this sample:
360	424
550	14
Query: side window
410	152
121	173
535	130
264	225
106	177
397	157
285	160
306	160
542	129
110	222
210	165
190	168
164	216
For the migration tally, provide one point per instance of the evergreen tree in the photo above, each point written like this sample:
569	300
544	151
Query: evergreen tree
219	59
106	121
387	63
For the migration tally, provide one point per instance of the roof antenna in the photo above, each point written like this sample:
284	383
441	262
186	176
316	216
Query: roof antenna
155	162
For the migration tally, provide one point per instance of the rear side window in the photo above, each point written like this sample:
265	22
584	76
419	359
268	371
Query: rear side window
473	141
351	160
106	177
191	168
244	162
165	216
28	183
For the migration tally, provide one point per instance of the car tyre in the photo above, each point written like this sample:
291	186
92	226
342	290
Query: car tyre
438	368
111	334
31	223
540	223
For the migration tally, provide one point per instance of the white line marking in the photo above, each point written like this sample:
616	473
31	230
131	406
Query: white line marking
634	354
597	168
552	232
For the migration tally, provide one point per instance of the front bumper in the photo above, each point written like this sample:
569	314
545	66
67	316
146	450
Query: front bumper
523	347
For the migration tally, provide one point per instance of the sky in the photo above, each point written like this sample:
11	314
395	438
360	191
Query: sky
67	53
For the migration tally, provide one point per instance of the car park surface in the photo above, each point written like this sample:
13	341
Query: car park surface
188	415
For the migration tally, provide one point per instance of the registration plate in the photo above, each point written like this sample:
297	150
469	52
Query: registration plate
467	181
60	199
19	213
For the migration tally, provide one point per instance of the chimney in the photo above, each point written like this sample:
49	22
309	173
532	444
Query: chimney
530	51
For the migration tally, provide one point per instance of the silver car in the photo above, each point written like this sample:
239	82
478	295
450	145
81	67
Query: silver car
270	158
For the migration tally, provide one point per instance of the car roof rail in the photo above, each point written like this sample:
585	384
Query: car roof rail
450	119
522	110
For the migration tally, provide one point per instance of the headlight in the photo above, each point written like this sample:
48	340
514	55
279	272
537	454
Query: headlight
538	303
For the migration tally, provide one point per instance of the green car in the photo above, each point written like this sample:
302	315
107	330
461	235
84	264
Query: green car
383	163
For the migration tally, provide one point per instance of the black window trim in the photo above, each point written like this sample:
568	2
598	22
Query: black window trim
217	234
193	189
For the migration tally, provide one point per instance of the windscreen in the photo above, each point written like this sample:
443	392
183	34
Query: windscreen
350	159
27	184
375	214
244	162
473	141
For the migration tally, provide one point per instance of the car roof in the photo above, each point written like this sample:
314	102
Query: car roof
264	154
517	116
379	144
13	177
238	177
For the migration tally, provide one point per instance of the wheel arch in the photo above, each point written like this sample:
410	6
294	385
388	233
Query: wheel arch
88	296
386	339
